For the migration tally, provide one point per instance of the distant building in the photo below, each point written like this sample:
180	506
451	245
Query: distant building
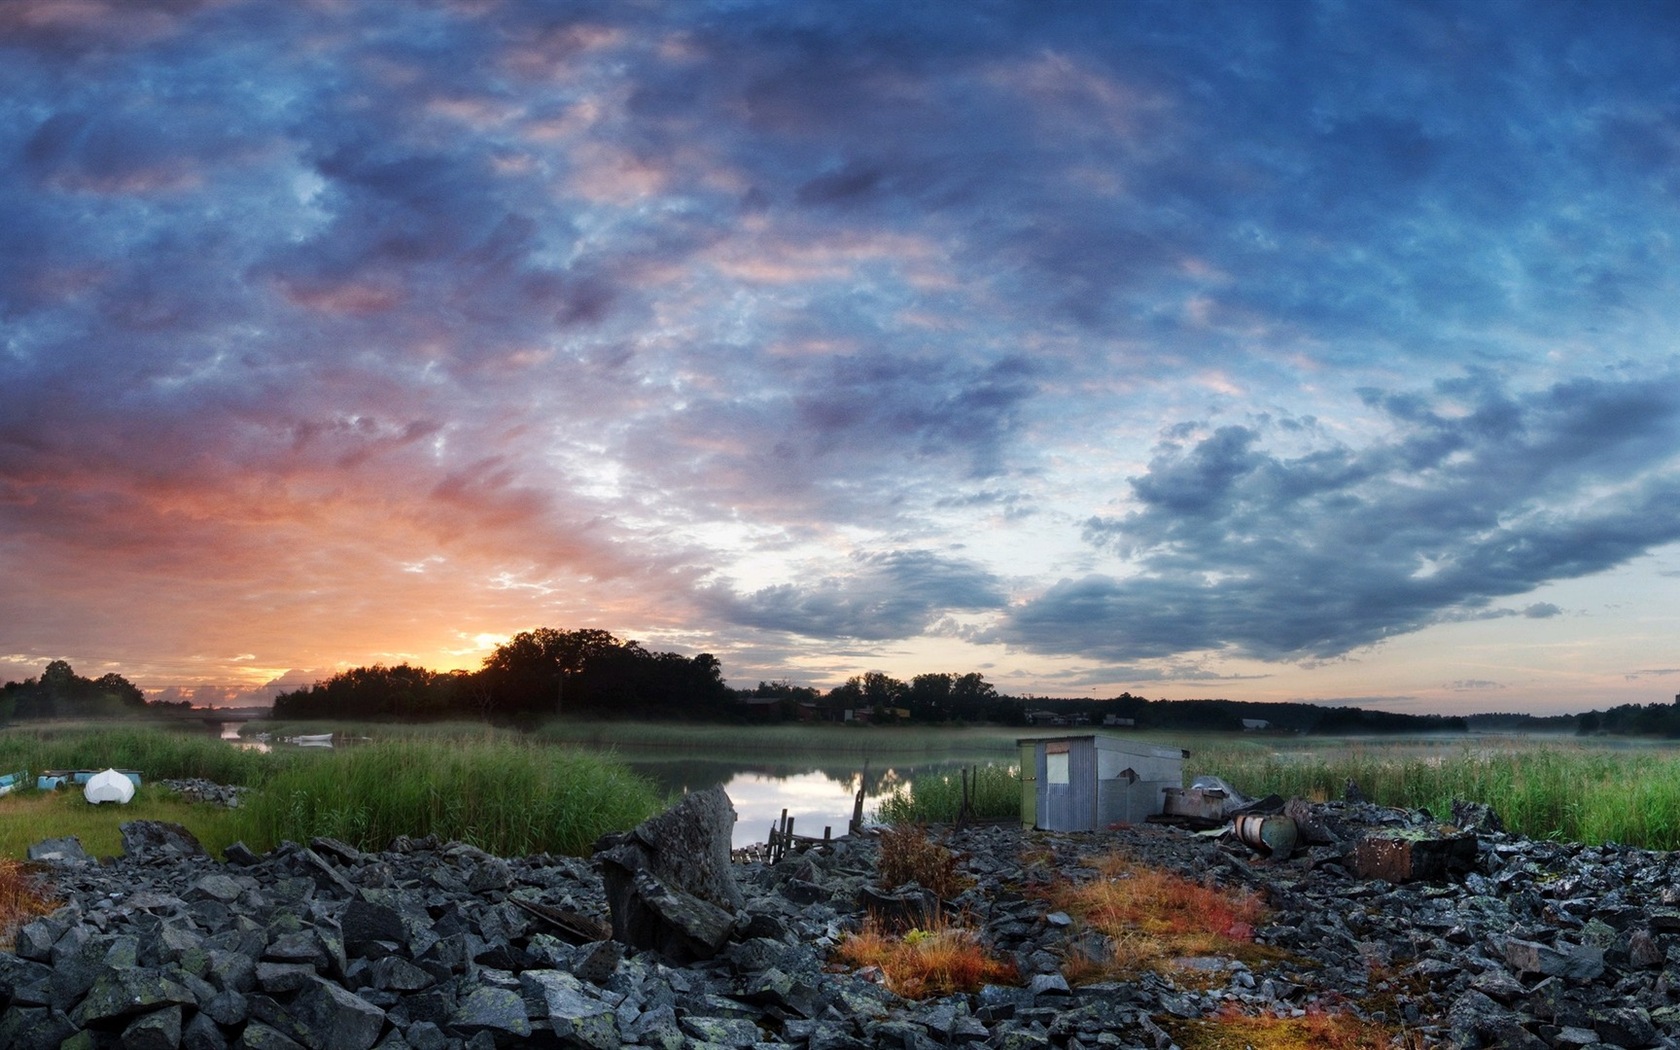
1116	720
1255	725
764	708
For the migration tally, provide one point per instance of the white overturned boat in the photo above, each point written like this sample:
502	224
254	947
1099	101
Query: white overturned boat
311	740
109	786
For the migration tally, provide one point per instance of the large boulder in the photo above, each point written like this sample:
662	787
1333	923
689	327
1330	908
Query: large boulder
669	882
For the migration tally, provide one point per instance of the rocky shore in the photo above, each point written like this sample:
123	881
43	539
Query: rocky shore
439	946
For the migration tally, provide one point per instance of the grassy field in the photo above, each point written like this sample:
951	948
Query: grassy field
491	789
1593	791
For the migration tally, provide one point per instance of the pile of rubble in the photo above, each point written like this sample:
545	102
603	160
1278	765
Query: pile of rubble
198	789
437	946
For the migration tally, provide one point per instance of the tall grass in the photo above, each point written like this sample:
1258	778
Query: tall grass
484	787
1557	790
503	796
1548	788
994	794
157	753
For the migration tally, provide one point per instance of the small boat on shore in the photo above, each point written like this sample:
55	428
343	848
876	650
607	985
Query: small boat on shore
53	779
311	740
109	785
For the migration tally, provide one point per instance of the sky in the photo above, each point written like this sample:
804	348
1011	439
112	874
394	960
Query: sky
1307	350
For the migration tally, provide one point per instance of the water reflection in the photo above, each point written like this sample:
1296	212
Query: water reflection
815	796
230	733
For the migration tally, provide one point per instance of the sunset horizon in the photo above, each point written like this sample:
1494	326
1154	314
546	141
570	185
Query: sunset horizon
1287	352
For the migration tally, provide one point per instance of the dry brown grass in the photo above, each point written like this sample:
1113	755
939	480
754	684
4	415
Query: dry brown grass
22	898
1317	1030
939	961
908	855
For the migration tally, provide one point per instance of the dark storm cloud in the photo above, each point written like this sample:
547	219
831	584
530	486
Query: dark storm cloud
1476	494
896	594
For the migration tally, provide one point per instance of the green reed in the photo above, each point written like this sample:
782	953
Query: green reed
994	794
487	788
1555	789
159	753
507	797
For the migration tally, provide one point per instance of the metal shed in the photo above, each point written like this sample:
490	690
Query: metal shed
1086	782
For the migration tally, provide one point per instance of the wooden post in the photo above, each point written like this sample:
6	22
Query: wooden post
855	825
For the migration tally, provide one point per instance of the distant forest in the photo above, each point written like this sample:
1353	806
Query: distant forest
589	673
62	693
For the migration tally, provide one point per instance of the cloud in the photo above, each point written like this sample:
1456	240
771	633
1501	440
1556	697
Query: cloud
897	594
1653	672
1475	494
485	315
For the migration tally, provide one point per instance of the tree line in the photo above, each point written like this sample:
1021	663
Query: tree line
534	675
875	696
62	693
590	673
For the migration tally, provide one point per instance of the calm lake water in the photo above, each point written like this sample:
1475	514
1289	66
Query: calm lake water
814	796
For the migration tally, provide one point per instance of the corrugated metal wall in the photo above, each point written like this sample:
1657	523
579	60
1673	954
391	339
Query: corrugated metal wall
1068	803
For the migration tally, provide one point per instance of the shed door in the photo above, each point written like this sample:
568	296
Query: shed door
1067	785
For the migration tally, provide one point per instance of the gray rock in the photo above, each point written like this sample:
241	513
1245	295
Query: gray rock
215	886
259	1036
491	1010
34	1028
202	1033
157	840
669	883
336	1019
121	993
1628	1026
424	1035
570	1007
158	1030
35	940
1576	963
721	1031
227	1007
397	974
65	851
280	977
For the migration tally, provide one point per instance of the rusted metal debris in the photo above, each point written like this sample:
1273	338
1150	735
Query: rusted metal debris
573	927
1271	835
1413	858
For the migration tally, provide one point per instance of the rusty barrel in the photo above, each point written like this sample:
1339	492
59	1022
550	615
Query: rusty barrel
1270	834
